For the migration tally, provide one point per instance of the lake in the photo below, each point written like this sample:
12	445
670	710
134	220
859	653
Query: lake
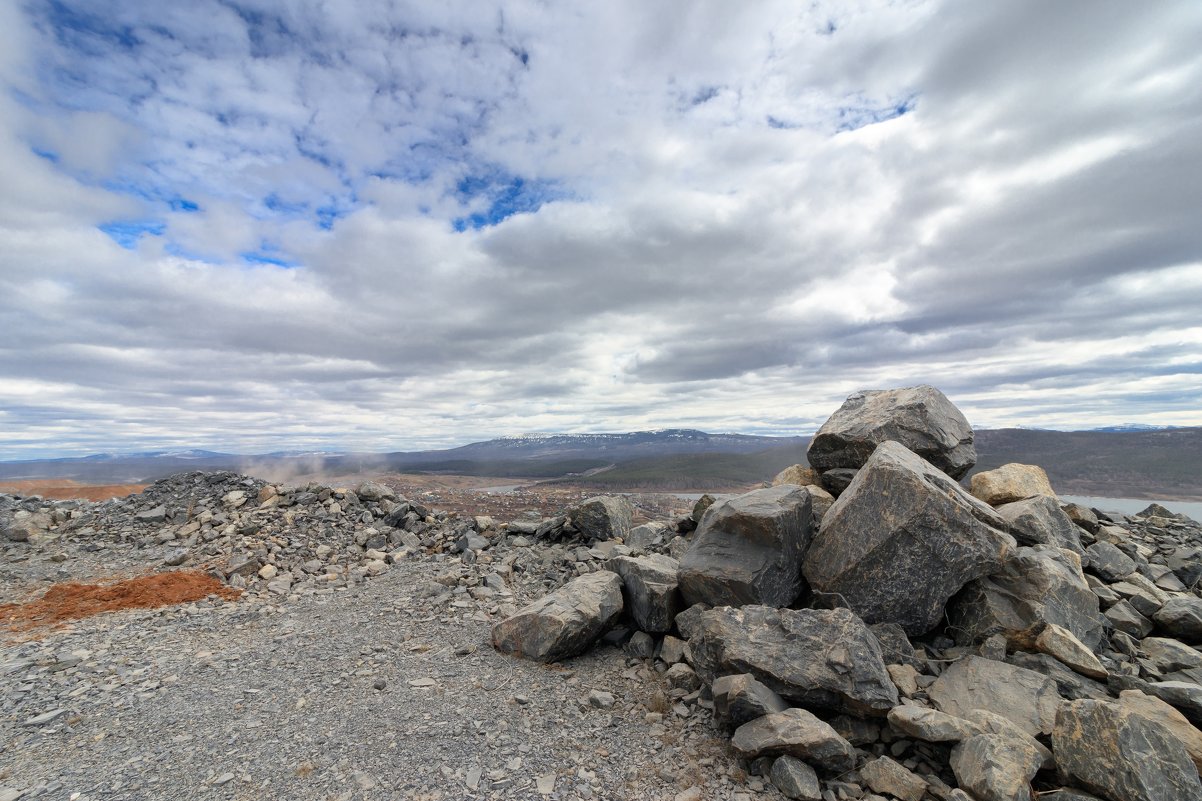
1129	506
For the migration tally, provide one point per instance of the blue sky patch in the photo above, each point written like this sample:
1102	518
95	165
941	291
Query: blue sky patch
507	195
854	117
126	233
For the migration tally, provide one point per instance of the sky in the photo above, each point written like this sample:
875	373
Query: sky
315	224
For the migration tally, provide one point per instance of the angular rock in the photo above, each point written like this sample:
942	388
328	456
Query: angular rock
374	491
1043	584
1170	655
1040	521
798	474
740	699
795	779
1108	562
920	418
1026	698
996	768
748	550
884	775
929	725
1009	483
1160	712
605	517
564	623
649	589
1083	516
1059	643
701	507
821	658
646	536
156	515
1122	755
1182	619
796	733
1184	695
896	648
1124	618
837	480
902	539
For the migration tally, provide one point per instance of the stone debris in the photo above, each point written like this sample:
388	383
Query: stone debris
908	640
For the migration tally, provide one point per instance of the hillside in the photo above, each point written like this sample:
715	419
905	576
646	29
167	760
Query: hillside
708	471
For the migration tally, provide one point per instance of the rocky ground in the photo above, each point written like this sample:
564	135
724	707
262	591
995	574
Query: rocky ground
869	629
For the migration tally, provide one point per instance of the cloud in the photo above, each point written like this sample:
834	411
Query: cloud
254	226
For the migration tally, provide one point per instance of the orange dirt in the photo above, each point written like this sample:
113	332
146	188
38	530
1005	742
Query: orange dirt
72	600
63	489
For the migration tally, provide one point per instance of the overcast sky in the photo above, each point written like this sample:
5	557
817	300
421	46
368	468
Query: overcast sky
251	225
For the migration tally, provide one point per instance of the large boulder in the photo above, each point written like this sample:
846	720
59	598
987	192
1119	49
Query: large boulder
740	699
1024	697
921	418
1160	712
996	768
1118	753
649	589
605	517
821	658
1041	521
1108	563
1043	584
796	733
1011	482
565	622
1182	618
799	474
748	549
902	539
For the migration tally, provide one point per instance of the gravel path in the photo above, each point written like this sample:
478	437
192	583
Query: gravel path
387	689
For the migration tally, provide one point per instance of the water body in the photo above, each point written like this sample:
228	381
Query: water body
1129	506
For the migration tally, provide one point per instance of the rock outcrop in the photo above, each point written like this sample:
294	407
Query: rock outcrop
564	623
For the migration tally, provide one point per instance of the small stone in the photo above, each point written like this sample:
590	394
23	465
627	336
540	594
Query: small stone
268	572
223	779
545	784
599	699
176	557
379	684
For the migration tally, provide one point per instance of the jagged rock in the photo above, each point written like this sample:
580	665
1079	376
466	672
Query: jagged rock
884	775
996	768
739	699
1083	516
902	539
1009	483
673	650
1043	584
650	591
1184	695
796	733
605	517
701	507
1040	521
564	623
824	658
1059	643
920	418
688	620
799	474
1160	712
929	725
748	550
795	779
1026	698
1125	618
155	515
1170	655
1121	754
896	648
1108	562
1182	618
647	536
837	480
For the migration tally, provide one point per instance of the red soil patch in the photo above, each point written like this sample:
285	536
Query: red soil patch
72	600
63	489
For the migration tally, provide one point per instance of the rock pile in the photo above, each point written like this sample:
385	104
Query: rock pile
910	638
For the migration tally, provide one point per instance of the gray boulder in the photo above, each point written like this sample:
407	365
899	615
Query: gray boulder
1109	563
1043	584
921	418
647	536
1024	697
604	517
1115	752
564	623
795	779
1181	618
649	589
748	549
375	491
884	775
739	699
1041	521
1124	617
902	540
996	768
796	733
820	658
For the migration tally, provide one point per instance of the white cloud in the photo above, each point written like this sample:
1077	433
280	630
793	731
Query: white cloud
728	216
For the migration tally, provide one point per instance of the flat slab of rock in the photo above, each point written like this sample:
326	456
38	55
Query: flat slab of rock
748	549
1043	584
796	733
604	517
1041	521
819	658
1181	618
1120	754
1158	711
1024	697
649	589
1108	562
884	775
1009	483
903	539
565	622
920	418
